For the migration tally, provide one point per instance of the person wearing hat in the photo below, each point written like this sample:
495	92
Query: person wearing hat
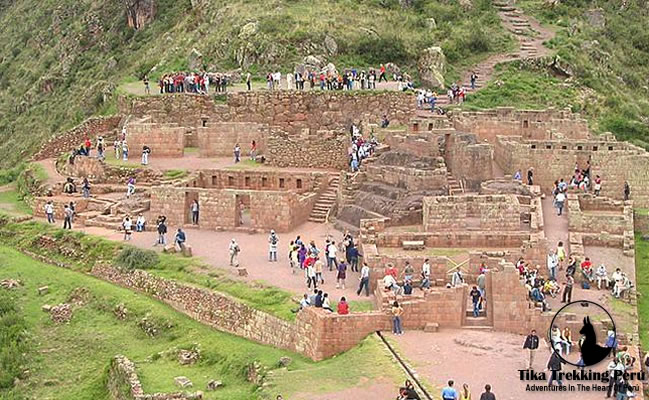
234	253
273	240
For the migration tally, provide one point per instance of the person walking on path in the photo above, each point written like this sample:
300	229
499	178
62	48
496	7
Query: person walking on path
249	81
567	289
474	78
449	392
331	255
627	191
465	394
49	212
552	265
237	153
162	231
475	298
234	253
487	394
85	188
67	217
531	344
273	241
127	225
397	312
365	281
554	365
341	275
195	210
317	267
530	176
425	275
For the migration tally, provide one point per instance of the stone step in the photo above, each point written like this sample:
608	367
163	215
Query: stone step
482	313
478	327
317	219
102	224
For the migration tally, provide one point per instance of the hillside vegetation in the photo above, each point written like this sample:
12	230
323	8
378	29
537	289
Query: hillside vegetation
605	46
63	59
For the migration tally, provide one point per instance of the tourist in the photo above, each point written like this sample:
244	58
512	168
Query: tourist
566	339
390	269
560	199
234	250
162	231
449	392
49	212
101	148
124	150
457	279
561	254
487	395
397	312
474	78
140	223
465	393
85	188
237	153
530	176
304	303
341	275
253	151
475	298
67	217
567	289
365	280
249	81
194	208
147	89
553	263
518	176
326	304
408	271
117	145
127	225
309	273
130	187
407	287
273	241
146	150
572	265
69	187
554	365
293	256
531	344
180	239
425	275
537	295
318	299
601	275
385	122
73	212
598	185
331	255
390	284
587	269
627	191
622	286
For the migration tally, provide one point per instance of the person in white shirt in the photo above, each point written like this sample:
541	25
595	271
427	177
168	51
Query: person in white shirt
49	212
140	223
560	200
389	283
601	275
127	224
425	275
365	280
234	250
331	256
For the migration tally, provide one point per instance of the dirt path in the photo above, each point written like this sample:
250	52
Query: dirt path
49	166
526	30
555	226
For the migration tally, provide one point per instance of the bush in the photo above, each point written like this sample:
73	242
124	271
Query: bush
133	258
13	341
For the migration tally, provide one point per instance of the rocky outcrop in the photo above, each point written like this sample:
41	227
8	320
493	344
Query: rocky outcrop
139	12
431	66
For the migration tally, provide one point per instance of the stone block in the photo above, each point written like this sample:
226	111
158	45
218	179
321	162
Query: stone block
187	251
43	290
214	384
431	327
46	308
242	271
169	249
182	382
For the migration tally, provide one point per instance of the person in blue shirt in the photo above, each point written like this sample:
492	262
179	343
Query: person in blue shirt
180	239
449	393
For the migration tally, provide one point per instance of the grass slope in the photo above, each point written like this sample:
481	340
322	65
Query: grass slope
642	287
64	59
69	361
610	65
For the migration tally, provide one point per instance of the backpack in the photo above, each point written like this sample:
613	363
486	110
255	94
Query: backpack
585	285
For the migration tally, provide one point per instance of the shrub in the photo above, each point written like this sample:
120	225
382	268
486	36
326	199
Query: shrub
132	258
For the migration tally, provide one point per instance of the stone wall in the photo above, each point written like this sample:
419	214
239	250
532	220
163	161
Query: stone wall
59	202
72	139
165	140
217	139
613	161
476	212
468	160
308	149
537	125
411	179
419	143
251	179
290	111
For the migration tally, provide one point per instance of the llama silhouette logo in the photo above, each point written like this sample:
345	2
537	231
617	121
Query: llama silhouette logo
582	333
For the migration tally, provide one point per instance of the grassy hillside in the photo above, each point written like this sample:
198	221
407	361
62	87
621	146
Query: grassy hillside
62	59
606	46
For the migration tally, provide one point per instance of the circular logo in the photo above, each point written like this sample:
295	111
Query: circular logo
582	333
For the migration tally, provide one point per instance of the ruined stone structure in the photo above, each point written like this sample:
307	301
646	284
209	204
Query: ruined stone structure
273	200
470	212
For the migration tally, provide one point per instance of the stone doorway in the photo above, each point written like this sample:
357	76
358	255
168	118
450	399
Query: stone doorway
189	199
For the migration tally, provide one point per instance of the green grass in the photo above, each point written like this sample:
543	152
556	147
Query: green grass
191	150
96	250
641	211
642	287
172	174
245	164
69	361
132	163
12	202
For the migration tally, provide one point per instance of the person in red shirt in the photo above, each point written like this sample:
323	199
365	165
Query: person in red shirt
343	306
587	269
392	270
382	73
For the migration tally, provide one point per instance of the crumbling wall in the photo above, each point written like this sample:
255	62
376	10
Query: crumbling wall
468	160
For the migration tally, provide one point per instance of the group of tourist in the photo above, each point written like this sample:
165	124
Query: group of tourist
362	148
189	82
450	393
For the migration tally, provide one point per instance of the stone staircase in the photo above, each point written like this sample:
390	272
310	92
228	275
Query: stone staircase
325	202
108	221
454	187
481	322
